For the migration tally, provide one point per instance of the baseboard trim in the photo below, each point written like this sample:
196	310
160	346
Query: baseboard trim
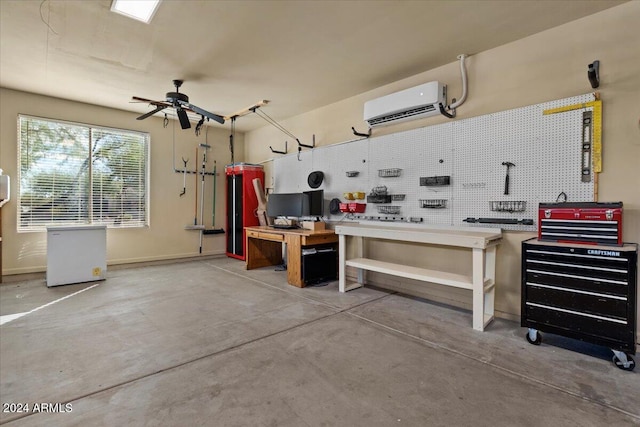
36	273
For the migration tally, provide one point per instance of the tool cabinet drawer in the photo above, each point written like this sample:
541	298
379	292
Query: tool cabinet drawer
579	283
575	324
603	305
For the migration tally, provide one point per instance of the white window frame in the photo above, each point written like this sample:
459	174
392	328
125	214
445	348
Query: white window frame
89	217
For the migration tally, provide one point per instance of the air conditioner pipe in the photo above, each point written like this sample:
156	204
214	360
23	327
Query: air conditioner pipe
451	113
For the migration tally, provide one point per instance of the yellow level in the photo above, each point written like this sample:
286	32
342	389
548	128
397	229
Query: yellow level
597	127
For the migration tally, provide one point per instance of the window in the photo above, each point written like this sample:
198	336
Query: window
72	173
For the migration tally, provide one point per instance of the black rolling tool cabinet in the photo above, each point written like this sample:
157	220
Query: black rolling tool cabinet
584	292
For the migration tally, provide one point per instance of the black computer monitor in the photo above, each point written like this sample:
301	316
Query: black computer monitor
316	203
287	204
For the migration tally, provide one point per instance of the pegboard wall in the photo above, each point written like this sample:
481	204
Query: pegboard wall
414	165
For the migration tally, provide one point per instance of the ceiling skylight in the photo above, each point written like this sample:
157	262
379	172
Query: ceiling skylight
142	10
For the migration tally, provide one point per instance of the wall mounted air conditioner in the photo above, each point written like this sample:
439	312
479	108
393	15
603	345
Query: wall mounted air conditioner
413	103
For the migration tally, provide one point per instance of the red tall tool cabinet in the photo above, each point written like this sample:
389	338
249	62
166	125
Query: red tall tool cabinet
242	204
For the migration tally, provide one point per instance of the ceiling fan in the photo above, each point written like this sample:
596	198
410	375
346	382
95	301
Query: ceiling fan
180	102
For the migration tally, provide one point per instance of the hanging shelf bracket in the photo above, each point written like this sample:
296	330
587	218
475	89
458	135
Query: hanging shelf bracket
364	135
280	152
300	144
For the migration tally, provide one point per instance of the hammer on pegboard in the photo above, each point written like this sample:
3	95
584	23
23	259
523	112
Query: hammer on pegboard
506	179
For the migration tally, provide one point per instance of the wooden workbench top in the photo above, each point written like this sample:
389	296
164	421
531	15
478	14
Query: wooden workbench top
299	231
464	237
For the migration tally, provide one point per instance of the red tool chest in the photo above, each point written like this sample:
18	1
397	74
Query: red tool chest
583	222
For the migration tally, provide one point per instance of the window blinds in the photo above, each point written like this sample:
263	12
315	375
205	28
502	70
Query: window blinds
72	173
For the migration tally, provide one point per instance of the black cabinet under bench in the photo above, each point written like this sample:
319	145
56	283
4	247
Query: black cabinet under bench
585	292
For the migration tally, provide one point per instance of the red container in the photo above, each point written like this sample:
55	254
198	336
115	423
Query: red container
587	222
353	207
357	207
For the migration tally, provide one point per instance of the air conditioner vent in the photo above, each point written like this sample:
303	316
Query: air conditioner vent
413	103
402	115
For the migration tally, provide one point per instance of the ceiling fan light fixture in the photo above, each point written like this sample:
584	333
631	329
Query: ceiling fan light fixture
141	10
184	119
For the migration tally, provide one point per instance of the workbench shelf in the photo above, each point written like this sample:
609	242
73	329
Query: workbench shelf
584	292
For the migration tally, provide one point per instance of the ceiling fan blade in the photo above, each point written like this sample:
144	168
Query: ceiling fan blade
202	112
150	101
137	98
183	118
151	113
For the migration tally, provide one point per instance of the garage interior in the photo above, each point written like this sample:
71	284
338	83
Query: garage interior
179	333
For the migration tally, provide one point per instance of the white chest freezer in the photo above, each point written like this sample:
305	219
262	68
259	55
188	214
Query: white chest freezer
76	254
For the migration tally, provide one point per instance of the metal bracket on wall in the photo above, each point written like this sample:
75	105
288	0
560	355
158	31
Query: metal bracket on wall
300	145
280	152
305	145
364	135
195	172
513	221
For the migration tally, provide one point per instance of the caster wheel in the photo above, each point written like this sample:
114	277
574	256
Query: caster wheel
535	341
631	364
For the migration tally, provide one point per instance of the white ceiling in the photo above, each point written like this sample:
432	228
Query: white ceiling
299	55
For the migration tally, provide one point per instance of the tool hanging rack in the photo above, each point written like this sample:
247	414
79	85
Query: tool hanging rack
232	117
184	170
511	221
248	110
461	179
508	205
274	123
433	203
388	209
286	149
428	181
198	220
361	134
389	172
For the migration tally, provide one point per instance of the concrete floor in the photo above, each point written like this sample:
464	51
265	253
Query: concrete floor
207	343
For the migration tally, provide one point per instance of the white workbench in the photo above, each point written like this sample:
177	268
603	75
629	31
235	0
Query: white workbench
482	242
